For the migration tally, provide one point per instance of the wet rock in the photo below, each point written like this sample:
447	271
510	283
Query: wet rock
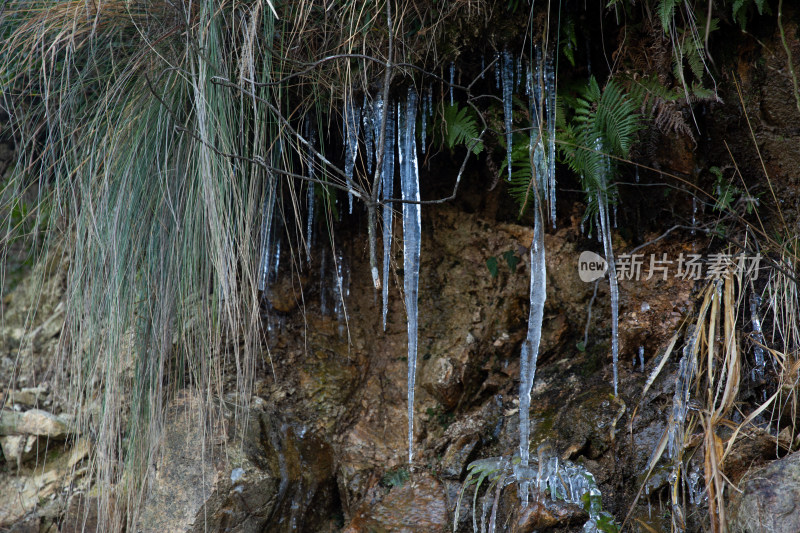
458	453
419	505
770	499
373	444
587	423
441	378
275	480
543	514
34	422
461	438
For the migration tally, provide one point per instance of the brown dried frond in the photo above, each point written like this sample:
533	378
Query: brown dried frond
668	117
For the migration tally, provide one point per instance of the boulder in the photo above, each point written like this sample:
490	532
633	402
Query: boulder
33	422
770	499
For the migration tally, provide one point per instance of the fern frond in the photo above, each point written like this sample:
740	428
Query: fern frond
666	10
605	123
617	119
462	128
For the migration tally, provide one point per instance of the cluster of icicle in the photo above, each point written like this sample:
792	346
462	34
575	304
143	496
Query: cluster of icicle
399	134
362	124
561	480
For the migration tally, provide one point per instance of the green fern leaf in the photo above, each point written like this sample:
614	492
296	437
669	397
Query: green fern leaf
462	128
666	10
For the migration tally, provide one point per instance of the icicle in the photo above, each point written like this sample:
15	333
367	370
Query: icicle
311	136
528	84
615	216
323	290
519	74
680	400
757	374
351	127
641	357
377	121
430	100
530	347
497	69
605	233
694	214
550	98
424	121
368	120
637	173
483	64
387	179
452	78
412	228
342	291
267	218
276	262
508	87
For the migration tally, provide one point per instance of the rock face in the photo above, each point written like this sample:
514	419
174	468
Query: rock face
770	499
32	486
271	480
419	506
33	422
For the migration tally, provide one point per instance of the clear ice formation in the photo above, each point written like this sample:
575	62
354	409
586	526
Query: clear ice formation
550	99
608	251
351	127
757	374
311	136
412	229
424	122
497	70
341	290
530	347
368	119
604	235
452	78
544	181
267	233
561	480
680	400
387	185
323	298
508	90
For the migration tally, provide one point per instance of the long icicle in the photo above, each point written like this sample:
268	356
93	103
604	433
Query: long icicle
387	179
412	228
267	219
550	98
530	348
605	233
311	136
508	94
351	127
